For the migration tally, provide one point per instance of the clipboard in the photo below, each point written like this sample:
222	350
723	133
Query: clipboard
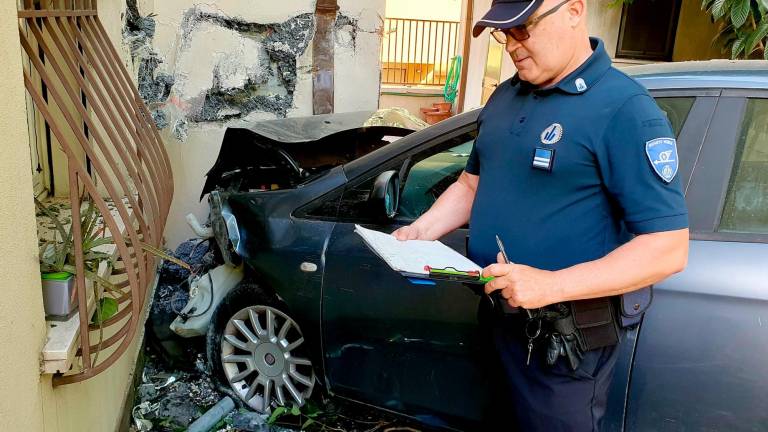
420	259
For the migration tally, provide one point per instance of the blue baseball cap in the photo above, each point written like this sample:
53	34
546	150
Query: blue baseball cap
506	14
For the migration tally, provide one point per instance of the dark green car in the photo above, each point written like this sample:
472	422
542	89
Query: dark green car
317	306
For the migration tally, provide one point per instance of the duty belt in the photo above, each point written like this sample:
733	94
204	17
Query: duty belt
570	329
591	324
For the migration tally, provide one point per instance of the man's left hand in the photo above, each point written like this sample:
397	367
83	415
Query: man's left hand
521	285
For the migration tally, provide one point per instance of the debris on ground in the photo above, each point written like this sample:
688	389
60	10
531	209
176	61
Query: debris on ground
177	388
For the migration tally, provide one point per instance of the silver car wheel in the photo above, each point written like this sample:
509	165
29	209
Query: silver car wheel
258	355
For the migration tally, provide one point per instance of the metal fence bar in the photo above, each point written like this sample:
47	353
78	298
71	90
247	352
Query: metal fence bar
98	139
145	171
97	106
422	51
76	71
155	143
431	74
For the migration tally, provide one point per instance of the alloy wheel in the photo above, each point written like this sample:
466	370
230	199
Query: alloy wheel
260	361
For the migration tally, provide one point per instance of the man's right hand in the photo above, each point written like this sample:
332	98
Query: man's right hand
408	232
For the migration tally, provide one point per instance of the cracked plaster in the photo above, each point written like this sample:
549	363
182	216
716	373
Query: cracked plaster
208	66
222	66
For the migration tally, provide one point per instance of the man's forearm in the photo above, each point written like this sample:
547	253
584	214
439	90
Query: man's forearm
449	212
645	260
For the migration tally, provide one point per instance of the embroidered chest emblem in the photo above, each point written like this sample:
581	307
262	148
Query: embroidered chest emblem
552	134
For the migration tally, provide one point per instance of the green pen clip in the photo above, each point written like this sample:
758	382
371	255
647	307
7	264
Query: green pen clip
451	273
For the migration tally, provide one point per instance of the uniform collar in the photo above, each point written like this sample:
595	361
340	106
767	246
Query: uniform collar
583	78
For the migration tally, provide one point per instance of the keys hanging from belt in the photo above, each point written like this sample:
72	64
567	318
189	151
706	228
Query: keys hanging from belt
532	331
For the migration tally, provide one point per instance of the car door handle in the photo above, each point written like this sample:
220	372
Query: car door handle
308	267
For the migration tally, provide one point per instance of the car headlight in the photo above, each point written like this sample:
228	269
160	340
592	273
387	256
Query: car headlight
225	229
233	233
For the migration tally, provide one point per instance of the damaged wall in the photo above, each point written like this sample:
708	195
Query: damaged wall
202	67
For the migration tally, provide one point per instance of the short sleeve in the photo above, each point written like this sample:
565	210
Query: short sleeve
638	162
473	162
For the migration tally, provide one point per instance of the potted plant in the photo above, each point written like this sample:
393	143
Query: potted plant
57	263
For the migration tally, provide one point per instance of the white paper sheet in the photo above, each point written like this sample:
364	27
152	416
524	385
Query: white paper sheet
412	255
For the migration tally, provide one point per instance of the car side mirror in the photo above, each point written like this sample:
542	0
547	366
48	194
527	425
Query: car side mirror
385	195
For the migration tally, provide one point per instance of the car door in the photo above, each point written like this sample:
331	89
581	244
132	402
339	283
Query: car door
700	361
407	345
689	112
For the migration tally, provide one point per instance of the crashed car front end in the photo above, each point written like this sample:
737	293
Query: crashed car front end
269	274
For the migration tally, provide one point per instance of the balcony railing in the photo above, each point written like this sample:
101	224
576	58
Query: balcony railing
114	158
417	52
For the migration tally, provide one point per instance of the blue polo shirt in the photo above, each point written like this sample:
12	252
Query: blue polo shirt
568	173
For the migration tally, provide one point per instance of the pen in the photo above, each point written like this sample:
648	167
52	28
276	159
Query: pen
506	260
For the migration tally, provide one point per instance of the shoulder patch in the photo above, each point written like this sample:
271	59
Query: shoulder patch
662	154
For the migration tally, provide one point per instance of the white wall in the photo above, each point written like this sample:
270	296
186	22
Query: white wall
203	53
435	10
478	54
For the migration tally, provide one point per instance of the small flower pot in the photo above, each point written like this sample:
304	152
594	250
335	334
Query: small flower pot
443	106
436	117
59	295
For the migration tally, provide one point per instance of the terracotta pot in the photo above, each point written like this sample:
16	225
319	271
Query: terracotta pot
434	117
443	106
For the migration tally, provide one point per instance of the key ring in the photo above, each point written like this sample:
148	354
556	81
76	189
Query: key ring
531	335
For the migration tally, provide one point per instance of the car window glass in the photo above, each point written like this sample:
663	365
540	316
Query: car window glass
429	177
676	110
354	202
354	205
746	203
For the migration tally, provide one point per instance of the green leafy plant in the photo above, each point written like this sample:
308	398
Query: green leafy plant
306	416
743	26
58	254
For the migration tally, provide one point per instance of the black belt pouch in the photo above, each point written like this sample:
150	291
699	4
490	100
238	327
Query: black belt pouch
634	304
595	320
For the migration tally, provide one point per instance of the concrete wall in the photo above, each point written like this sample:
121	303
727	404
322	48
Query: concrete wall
22	324
603	21
202	67
693	40
695	32
28	400
94	405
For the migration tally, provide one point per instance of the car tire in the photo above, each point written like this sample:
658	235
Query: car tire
257	361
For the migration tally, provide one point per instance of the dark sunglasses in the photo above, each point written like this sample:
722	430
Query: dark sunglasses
520	32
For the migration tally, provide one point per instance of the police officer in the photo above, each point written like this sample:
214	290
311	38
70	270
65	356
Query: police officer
575	169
